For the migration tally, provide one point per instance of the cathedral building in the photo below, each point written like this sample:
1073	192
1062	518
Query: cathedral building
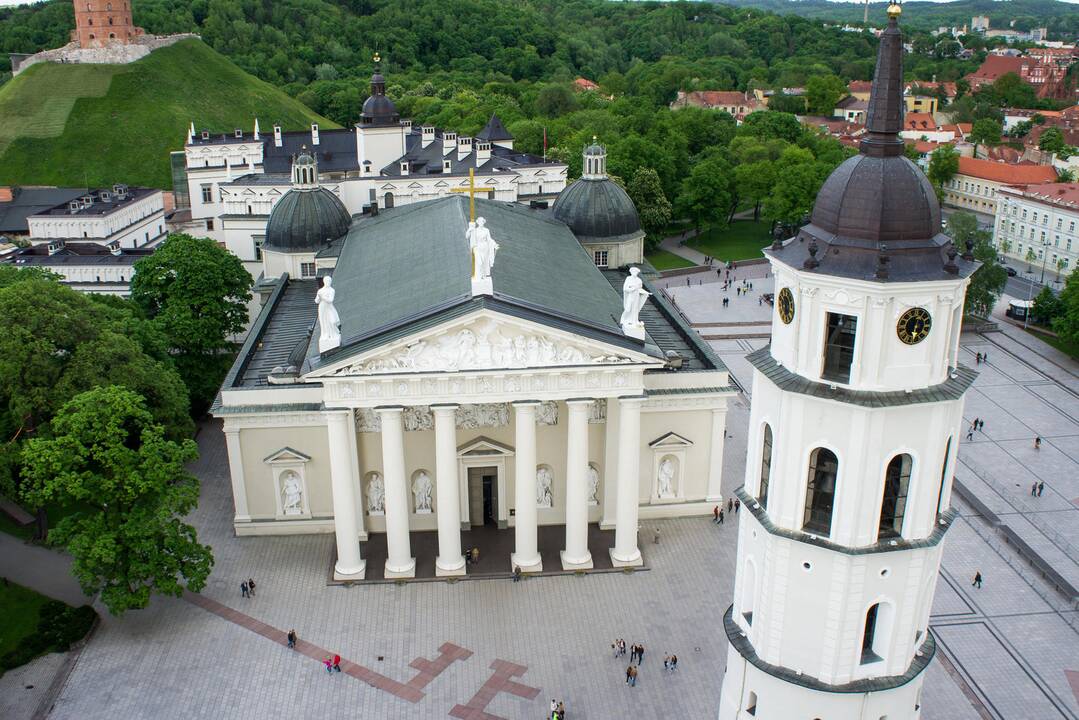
431	368
855	424
234	180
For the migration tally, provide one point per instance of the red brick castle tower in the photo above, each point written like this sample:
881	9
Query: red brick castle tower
102	22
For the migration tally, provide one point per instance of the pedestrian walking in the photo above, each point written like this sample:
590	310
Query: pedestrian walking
292	639
622	647
633	653
1041	486
970	433
985	357
328	662
516	573
760	301
337	663
715	514
978	358
720	517
251	586
632	679
981	425
655	537
667	662
1037	443
560	711
244	591
977	579
674	662
737	505
640	654
629	673
1034	488
730	504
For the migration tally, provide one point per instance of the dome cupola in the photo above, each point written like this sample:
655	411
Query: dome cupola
379	109
595	207
308	216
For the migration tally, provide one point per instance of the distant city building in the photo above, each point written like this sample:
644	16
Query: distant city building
1043	218
234	180
1048	76
738	104
129	217
583	84
851	109
923	126
979	23
99	23
977	183
860	89
85	266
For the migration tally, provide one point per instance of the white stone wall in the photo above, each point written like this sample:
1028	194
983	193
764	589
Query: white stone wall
113	54
1051	231
133	225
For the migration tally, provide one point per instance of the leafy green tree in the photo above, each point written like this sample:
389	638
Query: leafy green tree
823	92
798	180
943	165
197	293
1052	140
794	104
653	207
1030	257
1065	176
987	282
1046	307
755	182
768	125
555	100
986	132
109	458
1066	323
706	193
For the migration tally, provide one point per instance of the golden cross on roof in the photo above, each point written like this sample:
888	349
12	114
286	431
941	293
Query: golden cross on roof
472	191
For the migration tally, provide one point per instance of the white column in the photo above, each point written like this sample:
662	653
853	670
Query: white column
715	457
350	566
236	472
399	562
576	555
527	555
625	552
610	465
357	488
450	561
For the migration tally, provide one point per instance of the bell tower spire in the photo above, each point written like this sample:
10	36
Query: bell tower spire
884	118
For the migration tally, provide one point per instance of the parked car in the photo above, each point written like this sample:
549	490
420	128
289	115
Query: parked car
1012	272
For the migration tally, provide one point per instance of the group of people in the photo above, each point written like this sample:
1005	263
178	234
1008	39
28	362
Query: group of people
333	664
247	588
975	425
636	658
1037	488
980	358
733	505
558	710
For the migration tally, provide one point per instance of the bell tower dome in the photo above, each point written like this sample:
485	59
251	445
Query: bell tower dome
854	427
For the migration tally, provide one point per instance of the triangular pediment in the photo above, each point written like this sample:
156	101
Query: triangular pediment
415	185
670	440
483	341
483	446
286	455
442	184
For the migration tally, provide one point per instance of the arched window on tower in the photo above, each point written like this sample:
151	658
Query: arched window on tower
766	467
894	503
820	491
943	476
875	632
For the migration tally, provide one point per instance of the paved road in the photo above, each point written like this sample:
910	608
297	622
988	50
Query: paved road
41	569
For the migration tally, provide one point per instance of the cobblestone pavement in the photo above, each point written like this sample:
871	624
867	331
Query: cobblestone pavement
1006	648
24	689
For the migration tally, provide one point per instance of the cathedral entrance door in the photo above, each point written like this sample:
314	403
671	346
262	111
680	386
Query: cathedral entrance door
483	496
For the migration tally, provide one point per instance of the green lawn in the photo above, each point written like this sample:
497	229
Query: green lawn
79	125
663	260
54	511
743	240
19	607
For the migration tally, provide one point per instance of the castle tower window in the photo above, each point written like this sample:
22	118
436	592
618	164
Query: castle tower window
839	347
766	467
820	491
894	503
869	634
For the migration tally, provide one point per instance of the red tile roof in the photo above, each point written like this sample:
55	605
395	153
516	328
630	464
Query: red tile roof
1052	193
995	66
859	86
919	121
949	87
1011	174
585	84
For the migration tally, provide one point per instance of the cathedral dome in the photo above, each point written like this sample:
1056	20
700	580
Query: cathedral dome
304	220
595	207
379	109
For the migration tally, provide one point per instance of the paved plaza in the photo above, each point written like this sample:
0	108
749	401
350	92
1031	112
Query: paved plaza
495	649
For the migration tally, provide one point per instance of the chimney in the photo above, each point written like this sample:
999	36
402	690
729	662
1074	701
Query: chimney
238	133
483	152
314	133
205	134
257	136
191	133
464	147
55	246
277	136
404	167
428	135
449	142
114	248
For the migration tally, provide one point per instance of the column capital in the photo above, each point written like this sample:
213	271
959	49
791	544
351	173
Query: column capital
582	401
444	407
389	409
525	403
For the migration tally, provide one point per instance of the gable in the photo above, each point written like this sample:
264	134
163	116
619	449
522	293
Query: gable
286	455
483	340
670	440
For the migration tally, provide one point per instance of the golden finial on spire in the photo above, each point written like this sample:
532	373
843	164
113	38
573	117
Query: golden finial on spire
378	58
894	10
594	138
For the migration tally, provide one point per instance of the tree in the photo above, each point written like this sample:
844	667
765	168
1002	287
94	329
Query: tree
1046	307
985	131
823	92
653	207
794	104
943	165
755	182
988	281
109	458
1066	323
798	180
1065	176
555	100
197	293
1030	257
706	193
1052	140
768	125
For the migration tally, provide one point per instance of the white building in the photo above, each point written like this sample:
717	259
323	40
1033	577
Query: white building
84	266
1039	225
234	180
976	185
125	216
856	417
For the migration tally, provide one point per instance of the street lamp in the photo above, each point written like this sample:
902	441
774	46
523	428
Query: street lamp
1030	295
1045	256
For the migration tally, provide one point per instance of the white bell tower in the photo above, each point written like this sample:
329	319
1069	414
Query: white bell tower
856	418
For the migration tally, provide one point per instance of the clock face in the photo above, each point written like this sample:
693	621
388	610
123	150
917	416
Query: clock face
914	325
785	303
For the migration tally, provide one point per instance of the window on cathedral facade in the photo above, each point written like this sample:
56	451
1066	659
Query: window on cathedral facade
894	503
600	257
766	467
820	491
751	704
258	241
839	347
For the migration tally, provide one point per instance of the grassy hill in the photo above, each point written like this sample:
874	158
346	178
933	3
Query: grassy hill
89	125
